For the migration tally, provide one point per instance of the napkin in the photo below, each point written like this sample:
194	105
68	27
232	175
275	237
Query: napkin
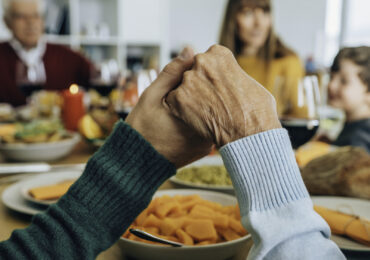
352	226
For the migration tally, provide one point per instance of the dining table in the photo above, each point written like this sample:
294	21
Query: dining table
11	220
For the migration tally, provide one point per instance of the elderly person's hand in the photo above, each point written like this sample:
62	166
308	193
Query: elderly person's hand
220	101
179	143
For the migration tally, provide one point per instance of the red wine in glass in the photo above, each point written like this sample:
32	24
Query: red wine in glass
104	89
29	89
300	130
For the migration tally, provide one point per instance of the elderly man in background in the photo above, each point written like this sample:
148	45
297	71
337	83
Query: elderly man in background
27	59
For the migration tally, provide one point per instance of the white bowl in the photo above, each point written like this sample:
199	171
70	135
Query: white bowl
219	251
39	151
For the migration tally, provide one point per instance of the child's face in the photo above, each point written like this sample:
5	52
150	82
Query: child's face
346	90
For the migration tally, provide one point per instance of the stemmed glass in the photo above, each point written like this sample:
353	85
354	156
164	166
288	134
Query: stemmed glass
298	104
130	88
30	80
105	80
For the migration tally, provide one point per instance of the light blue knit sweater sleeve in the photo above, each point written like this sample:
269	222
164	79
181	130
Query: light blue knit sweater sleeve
274	203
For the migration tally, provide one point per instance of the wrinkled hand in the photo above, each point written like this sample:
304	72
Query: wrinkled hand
179	143
220	101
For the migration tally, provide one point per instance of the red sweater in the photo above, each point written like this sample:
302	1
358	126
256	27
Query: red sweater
62	66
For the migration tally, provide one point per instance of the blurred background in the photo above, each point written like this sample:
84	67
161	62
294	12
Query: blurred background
121	46
144	33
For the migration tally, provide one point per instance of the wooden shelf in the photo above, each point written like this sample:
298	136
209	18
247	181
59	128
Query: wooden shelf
118	19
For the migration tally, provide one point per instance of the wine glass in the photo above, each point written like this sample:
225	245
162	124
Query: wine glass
30	79
105	79
130	89
298	104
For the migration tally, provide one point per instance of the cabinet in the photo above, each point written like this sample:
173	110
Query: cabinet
134	33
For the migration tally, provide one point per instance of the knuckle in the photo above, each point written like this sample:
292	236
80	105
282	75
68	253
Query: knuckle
187	77
220	49
172	68
200	59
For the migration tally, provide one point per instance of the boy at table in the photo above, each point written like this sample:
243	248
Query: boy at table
349	89
196	102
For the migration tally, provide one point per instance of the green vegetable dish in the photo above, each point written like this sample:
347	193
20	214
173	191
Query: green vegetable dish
210	175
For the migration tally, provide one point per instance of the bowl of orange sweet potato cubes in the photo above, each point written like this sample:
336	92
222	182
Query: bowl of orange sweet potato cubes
207	223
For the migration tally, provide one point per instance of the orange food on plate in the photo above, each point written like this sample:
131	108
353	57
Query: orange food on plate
51	192
190	220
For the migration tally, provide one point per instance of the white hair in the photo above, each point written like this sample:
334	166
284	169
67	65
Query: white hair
8	3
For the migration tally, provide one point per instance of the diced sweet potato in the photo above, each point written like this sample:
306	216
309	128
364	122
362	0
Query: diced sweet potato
188	205
177	214
167	227
237	226
201	229
152	230
229	210
152	205
204	212
204	243
220	220
170	225
134	238
165	199
200	211
164	209
211	205
127	233
184	237
142	216
228	234
152	221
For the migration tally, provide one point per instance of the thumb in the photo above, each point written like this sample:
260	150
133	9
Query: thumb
171	76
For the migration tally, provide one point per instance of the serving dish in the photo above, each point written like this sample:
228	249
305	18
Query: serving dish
40	152
219	251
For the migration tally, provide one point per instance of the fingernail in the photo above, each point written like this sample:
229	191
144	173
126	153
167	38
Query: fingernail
185	54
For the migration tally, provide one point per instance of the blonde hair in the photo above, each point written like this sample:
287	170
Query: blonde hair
7	4
273	47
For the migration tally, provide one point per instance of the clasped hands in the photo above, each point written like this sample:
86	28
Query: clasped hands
201	100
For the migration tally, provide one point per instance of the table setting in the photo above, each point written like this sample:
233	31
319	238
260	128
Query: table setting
46	151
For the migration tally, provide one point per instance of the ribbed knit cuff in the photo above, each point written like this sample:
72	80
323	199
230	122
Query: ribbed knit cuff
120	179
264	171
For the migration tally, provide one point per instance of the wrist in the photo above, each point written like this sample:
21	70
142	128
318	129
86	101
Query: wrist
258	127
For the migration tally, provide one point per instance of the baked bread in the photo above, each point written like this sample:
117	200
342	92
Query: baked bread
344	172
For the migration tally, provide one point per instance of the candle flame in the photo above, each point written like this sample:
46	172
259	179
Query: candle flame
73	89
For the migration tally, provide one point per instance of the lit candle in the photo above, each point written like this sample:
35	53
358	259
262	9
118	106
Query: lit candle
73	108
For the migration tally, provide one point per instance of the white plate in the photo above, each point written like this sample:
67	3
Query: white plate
360	207
39	181
208	160
40	152
13	199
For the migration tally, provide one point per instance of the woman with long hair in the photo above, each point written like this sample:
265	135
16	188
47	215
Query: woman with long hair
248	32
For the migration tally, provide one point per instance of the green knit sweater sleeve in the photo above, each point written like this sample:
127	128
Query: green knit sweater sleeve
116	185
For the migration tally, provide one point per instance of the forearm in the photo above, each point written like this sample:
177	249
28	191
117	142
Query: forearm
117	184
274	202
